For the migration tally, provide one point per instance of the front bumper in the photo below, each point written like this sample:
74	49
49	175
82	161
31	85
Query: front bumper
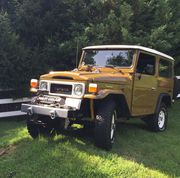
45	110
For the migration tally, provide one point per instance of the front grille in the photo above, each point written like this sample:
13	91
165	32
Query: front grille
61	89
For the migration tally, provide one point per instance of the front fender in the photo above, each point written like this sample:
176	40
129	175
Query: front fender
102	94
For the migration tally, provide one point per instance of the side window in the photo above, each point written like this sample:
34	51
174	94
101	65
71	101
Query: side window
146	64
165	68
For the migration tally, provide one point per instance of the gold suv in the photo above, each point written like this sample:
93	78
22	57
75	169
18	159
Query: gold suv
111	82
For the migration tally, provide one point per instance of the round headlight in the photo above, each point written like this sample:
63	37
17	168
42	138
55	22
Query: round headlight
43	86
78	90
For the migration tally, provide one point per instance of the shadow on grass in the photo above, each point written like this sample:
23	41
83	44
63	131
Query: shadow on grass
134	142
47	157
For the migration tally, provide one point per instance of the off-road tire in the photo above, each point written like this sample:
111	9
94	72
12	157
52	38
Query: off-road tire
104	125
158	122
88	125
46	126
32	127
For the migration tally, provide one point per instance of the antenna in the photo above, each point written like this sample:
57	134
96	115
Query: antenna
77	50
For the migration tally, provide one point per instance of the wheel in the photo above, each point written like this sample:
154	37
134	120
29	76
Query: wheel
42	125
32	127
158	121
88	125
105	124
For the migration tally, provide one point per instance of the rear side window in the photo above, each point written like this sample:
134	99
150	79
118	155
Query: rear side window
165	68
146	64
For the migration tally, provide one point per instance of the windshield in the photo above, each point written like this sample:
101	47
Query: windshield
104	58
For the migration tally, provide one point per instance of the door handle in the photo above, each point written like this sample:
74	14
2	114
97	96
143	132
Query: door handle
153	88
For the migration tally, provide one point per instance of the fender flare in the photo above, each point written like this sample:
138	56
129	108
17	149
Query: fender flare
103	94
167	100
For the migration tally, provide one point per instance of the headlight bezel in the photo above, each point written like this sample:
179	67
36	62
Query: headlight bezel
78	89
43	86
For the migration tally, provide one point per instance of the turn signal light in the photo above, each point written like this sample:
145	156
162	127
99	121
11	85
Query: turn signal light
34	83
92	88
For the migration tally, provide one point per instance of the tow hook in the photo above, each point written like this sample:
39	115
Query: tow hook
53	114
30	111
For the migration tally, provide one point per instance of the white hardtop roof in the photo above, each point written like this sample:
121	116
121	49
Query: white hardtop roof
129	47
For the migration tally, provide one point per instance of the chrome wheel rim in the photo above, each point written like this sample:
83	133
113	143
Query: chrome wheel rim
161	119
113	125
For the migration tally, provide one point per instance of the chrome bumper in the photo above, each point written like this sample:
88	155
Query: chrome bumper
44	110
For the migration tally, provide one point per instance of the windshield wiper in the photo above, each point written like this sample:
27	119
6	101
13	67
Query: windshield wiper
90	67
110	66
114	67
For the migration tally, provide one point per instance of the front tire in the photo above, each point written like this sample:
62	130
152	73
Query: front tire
105	124
32	127
42	125
88	125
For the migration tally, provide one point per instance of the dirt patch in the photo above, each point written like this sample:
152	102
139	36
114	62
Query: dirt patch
7	150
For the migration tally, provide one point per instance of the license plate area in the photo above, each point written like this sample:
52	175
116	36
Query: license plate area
51	100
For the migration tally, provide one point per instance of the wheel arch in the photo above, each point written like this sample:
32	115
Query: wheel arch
163	98
121	103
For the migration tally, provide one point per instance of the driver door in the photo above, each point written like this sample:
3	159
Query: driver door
145	85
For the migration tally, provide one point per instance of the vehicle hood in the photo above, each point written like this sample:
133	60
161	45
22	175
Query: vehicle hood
112	77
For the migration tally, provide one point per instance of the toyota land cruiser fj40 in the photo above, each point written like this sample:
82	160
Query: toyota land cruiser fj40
111	82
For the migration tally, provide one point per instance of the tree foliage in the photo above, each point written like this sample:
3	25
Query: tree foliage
37	36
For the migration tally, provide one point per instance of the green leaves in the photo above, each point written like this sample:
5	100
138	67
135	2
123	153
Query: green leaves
39	36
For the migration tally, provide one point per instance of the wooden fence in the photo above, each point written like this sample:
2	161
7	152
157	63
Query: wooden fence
11	107
10	102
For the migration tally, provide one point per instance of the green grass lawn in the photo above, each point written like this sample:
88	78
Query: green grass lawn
137	152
